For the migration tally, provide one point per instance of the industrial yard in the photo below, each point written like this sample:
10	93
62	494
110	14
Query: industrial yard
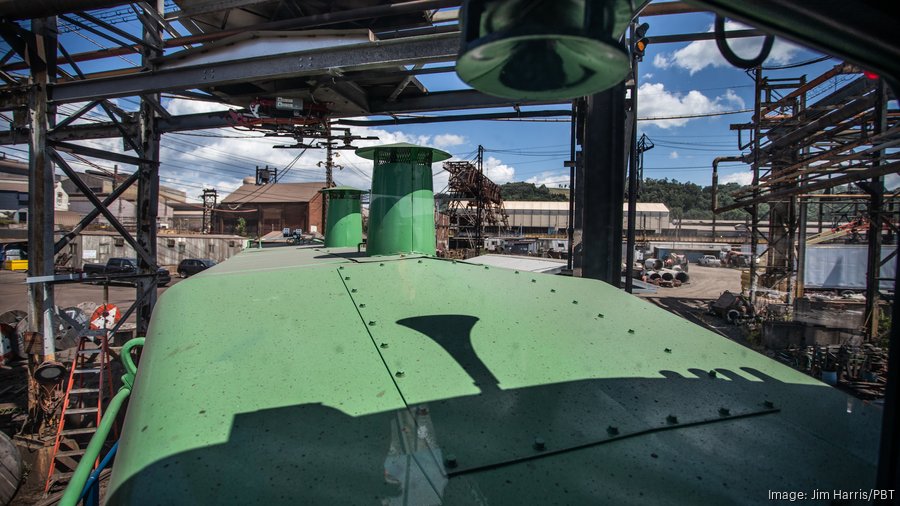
449	252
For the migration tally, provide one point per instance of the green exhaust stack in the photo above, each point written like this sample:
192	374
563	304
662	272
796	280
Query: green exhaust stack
401	215
343	224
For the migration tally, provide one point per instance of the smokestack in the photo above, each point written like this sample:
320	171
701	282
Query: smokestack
343	226
401	215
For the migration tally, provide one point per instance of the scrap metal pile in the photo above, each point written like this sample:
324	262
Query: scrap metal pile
861	369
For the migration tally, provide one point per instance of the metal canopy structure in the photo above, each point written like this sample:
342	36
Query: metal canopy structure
290	66
804	142
339	59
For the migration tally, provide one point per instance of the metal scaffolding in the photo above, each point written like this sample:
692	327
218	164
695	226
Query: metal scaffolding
806	139
475	205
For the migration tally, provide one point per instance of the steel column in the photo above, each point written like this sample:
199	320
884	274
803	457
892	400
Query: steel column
41	188
632	172
888	475
148	190
876	207
754	208
603	185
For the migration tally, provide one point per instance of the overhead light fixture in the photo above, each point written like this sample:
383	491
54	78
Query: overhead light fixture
544	49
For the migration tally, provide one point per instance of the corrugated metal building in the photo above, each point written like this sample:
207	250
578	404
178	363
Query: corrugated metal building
271	207
535	217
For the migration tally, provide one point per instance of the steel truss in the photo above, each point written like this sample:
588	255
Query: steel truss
800	150
475	204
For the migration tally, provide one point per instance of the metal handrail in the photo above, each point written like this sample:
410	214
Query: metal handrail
73	492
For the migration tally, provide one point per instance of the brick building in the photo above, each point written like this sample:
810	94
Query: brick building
271	207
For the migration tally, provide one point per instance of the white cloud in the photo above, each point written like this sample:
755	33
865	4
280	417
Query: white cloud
550	179
673	155
700	54
443	141
648	75
221	159
742	178
655	102
661	62
498	171
177	106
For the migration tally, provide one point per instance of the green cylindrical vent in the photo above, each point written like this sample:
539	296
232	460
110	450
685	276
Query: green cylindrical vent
401	215
343	225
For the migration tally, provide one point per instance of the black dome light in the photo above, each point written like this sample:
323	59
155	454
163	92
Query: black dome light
544	49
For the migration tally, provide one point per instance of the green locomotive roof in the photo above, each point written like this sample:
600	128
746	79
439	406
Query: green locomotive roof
315	376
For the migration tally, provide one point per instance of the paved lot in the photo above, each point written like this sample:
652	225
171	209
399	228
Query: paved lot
691	300
705	283
13	293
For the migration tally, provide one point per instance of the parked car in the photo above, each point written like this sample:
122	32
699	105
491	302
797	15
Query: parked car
123	266
191	266
709	261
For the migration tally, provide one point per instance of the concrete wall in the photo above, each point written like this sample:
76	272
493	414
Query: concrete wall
95	247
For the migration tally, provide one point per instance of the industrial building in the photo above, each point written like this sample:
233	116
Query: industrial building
271	207
551	218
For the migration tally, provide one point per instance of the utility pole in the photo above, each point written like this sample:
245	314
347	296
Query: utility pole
209	205
480	203
637	34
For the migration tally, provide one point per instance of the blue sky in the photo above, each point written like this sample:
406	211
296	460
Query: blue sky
675	80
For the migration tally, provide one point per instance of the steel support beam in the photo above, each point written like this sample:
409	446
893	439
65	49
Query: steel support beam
457	117
409	51
449	101
876	208
143	253
603	185
94	213
96	153
41	199
148	190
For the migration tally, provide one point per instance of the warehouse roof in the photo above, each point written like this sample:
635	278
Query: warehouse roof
642	207
275	193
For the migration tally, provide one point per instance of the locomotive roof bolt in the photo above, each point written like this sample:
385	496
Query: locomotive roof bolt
672	419
612	430
769	404
450	461
539	444
384	345
724	412
399	374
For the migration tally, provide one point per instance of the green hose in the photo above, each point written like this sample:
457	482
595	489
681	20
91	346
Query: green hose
92	453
